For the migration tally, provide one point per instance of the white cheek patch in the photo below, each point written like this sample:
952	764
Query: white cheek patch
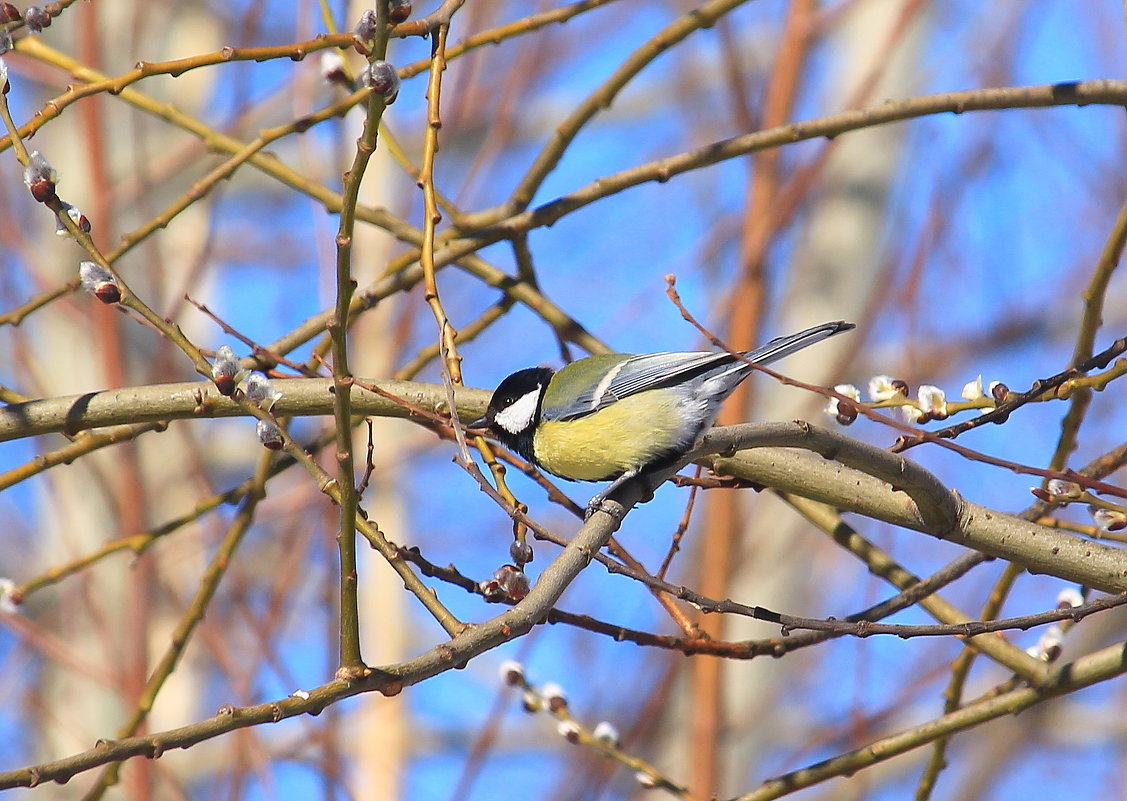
519	416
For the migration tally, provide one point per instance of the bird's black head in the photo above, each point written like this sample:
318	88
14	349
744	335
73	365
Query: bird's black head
514	409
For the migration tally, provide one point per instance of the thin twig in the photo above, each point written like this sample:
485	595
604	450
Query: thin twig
390	680
1083	672
1094	295
182	633
351	663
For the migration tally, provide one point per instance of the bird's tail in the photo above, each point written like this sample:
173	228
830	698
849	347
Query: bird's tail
784	346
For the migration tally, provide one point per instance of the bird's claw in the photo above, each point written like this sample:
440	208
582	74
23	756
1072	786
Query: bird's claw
599	504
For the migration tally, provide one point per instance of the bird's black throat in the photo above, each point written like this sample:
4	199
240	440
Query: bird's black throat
522	442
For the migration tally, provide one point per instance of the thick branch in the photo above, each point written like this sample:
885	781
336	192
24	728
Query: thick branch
863	479
301	397
919	505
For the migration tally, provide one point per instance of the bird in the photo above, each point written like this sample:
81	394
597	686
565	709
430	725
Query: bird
617	416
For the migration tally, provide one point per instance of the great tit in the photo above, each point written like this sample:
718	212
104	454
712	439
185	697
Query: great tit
617	415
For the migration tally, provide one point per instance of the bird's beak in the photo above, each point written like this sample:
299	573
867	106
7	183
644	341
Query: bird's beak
481	422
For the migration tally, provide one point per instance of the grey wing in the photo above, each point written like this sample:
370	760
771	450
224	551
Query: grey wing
635	375
653	370
660	369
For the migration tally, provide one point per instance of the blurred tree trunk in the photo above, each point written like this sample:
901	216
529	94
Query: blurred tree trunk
110	619
377	737
744	552
380	739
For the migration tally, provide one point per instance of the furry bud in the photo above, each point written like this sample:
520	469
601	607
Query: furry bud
36	18
382	78
99	282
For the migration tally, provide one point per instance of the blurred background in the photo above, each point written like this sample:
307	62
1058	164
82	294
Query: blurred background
961	245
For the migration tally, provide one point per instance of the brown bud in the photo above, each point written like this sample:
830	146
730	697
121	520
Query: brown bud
999	392
557	703
43	190
332	68
392	688
225	384
512	674
8	12
1041	495
400	11
554	696
108	292
900	386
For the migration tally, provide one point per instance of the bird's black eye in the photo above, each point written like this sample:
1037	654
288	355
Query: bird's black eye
518	386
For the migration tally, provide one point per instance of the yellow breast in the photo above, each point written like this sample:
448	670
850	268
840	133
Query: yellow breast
630	433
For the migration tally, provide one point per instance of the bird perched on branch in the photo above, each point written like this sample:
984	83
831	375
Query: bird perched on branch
617	416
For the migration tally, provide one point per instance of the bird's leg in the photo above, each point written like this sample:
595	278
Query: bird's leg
649	478
596	503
